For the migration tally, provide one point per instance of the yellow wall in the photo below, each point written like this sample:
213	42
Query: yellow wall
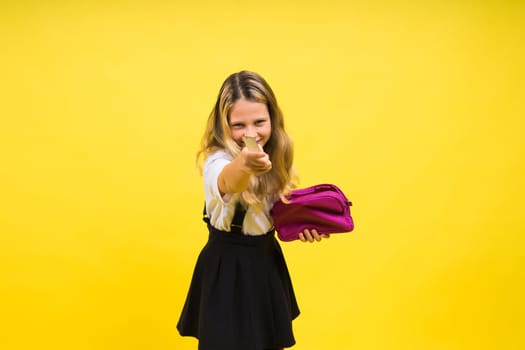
414	110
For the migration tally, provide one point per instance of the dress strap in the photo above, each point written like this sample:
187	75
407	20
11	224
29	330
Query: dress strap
237	221
205	216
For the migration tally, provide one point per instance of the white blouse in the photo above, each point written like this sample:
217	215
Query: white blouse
220	209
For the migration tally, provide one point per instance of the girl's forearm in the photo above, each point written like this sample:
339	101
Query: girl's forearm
235	177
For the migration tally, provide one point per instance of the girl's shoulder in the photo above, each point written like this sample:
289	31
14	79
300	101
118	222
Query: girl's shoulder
218	154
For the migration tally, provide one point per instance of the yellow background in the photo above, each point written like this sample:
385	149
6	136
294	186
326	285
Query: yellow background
415	109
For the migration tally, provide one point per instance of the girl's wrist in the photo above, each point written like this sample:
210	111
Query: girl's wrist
243	166
246	170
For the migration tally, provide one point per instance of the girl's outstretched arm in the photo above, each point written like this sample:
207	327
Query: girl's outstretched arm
235	176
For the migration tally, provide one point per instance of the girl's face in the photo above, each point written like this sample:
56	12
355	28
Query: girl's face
249	118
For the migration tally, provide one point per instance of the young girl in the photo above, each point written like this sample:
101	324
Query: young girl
241	296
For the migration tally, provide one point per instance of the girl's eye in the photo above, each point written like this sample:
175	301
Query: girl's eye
237	126
260	122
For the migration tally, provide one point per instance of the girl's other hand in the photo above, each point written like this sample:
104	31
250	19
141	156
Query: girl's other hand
311	236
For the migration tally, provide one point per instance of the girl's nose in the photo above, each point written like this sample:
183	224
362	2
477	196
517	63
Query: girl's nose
250	131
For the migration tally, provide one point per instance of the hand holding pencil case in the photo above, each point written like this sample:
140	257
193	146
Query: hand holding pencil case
323	207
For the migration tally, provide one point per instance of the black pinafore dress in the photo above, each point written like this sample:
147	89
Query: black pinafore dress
241	296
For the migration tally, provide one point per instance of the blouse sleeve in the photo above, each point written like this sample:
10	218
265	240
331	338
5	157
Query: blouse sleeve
220	209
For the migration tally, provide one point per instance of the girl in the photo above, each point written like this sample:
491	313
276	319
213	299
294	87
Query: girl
241	296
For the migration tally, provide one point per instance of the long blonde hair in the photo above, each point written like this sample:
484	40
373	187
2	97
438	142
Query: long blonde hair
280	180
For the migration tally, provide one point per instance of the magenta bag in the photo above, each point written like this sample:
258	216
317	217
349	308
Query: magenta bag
322	207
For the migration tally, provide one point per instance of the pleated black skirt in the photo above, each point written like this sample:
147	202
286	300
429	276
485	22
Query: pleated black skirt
241	296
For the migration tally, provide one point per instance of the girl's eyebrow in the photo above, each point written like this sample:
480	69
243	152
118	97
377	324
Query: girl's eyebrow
236	123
